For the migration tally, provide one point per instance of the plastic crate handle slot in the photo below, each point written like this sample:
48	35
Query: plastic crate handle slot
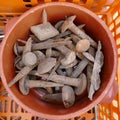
110	95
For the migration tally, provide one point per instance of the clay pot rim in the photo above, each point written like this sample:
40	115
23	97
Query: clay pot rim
92	104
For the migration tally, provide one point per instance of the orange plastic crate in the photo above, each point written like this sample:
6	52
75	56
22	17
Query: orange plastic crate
20	6
108	12
112	111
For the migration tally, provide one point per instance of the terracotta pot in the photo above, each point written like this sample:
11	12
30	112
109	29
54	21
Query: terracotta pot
95	28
